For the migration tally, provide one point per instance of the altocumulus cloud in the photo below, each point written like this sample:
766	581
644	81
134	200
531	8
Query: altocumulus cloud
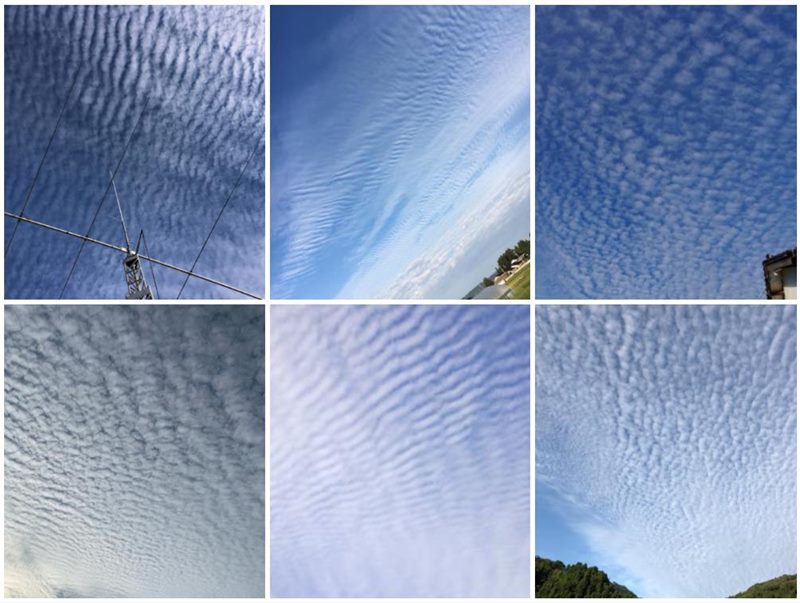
202	70
665	149
665	438
134	451
400	148
400	451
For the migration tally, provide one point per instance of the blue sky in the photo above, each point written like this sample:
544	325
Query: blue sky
134	451
665	149
666	444
400	148
400	451
203	69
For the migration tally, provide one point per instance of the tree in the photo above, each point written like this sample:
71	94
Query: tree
487	282
523	247
782	587
556	580
505	259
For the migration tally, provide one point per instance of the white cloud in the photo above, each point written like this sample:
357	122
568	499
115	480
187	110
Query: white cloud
709	94
669	433
202	69
399	451
134	451
384	152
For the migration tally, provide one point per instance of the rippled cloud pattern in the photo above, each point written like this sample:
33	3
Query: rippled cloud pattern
400	148
666	440
665	149
134	451
202	69
400	451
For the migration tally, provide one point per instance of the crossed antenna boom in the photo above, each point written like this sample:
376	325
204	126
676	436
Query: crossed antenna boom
124	250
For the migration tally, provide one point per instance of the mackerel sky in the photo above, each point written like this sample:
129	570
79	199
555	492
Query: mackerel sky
400	148
666	444
202	71
665	149
134	451
400	451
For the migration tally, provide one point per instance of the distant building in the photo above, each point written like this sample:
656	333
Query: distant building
495	292
780	275
517	264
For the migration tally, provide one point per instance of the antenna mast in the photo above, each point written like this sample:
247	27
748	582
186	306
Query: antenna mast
134	276
131	266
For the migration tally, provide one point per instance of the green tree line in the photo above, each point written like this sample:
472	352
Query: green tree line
558	581
521	249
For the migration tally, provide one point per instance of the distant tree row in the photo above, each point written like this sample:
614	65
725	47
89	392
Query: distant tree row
521	249
558	581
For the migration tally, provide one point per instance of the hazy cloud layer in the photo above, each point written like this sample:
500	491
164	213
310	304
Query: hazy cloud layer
203	71
665	435
134	451
665	149
400	451
400	148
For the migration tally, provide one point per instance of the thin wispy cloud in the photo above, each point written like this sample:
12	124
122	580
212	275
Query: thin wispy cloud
666	443
665	149
202	70
134	451
400	451
400	148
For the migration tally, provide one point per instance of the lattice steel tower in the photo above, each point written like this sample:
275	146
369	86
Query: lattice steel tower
134	275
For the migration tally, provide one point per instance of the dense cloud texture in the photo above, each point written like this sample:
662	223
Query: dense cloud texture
134	451
203	71
400	451
665	149
666	439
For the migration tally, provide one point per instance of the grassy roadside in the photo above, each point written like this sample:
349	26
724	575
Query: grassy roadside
520	283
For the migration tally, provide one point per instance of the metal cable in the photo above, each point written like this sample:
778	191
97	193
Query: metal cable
119	207
105	194
41	161
224	205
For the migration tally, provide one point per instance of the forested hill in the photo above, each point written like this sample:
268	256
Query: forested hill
556	580
579	581
782	587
